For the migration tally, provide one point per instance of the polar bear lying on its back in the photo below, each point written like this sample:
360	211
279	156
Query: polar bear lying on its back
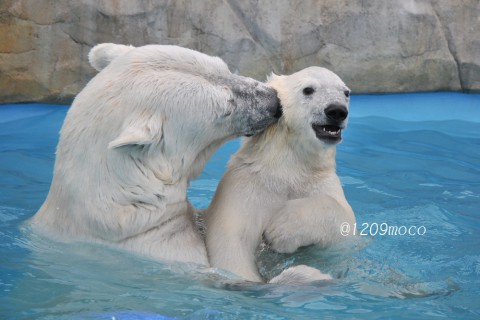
282	183
133	139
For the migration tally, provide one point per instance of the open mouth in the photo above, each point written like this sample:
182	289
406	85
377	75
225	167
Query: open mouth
328	133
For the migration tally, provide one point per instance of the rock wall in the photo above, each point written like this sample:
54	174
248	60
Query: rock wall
375	46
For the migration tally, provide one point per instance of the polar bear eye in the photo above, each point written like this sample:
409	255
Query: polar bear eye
347	93
308	91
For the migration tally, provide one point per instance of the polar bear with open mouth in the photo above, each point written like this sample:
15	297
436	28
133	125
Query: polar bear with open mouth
134	138
282	185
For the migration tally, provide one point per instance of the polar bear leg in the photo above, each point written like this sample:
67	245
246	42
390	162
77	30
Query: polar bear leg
300	275
307	221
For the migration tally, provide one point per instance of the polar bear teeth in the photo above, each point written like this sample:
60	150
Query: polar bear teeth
331	130
333	133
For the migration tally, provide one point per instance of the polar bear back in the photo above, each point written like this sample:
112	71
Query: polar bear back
166	57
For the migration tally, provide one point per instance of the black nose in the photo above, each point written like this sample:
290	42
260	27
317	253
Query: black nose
336	112
279	111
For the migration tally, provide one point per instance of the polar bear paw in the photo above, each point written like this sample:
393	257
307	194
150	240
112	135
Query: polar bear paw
301	274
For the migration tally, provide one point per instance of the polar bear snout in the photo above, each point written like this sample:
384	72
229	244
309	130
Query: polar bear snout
330	132
273	104
267	98
258	106
279	112
336	112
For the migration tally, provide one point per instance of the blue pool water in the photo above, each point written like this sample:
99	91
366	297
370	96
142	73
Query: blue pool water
406	160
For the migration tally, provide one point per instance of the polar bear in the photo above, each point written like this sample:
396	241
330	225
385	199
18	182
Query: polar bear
135	136
281	185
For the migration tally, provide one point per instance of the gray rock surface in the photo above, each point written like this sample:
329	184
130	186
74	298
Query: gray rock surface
375	46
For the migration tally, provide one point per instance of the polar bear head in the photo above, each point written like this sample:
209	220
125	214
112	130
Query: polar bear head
177	101
315	104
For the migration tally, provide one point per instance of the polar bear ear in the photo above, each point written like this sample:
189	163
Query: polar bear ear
271	76
102	54
139	132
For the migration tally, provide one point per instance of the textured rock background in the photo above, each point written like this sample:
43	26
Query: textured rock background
375	46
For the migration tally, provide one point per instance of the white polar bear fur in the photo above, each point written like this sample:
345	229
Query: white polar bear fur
133	139
281	184
102	54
